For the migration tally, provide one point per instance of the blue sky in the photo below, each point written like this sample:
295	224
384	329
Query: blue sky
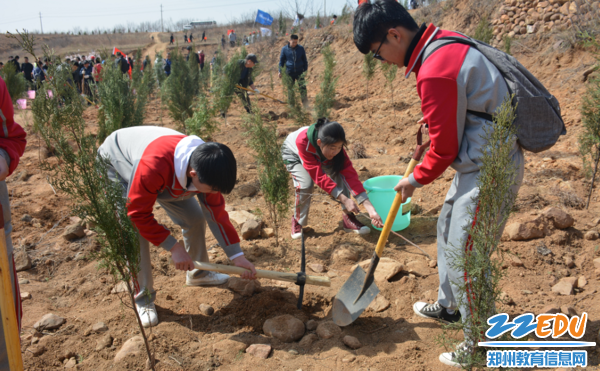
64	15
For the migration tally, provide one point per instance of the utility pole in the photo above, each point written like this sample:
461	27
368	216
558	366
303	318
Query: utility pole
325	10
42	27
161	20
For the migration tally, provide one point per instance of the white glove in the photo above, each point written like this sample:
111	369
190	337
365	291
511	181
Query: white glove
256	91
86	76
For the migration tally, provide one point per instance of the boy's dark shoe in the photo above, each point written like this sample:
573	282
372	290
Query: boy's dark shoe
435	311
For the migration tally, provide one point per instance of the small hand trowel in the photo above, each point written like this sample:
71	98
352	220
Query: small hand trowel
360	289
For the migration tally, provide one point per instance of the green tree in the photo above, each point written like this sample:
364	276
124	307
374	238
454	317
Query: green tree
159	71
202	123
369	66
484	31
326	96
15	82
123	102
272	174
507	44
483	263
223	91
282	26
589	139
181	89
318	21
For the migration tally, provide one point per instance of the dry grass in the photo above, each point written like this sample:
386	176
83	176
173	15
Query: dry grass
358	150
568	198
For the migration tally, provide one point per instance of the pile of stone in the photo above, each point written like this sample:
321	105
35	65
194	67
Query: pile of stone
517	18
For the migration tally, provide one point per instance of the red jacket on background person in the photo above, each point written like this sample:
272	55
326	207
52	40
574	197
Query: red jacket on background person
12	135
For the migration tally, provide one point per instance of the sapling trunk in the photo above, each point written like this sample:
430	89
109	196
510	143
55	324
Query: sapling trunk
369	66
593	178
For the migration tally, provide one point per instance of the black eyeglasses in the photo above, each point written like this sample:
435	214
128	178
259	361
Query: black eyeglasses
376	54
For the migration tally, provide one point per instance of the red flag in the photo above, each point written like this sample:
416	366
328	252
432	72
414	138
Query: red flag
115	51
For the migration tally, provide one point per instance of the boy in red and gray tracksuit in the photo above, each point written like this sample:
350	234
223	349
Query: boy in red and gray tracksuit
161	165
452	81
12	146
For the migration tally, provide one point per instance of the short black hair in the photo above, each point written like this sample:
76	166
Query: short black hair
215	165
294	37
372	20
252	57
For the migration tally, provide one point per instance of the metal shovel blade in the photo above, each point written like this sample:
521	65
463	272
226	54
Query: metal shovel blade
345	310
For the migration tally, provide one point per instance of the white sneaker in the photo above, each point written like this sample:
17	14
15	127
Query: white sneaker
147	314
210	279
454	358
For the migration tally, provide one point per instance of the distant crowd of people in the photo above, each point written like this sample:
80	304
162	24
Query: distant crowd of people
187	39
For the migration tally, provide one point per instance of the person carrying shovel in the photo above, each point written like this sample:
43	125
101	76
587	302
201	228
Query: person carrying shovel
155	164
315	154
455	83
245	80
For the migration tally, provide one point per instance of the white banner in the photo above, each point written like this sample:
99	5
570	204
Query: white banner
265	31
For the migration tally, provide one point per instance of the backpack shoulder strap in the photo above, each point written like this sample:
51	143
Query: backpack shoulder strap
443	41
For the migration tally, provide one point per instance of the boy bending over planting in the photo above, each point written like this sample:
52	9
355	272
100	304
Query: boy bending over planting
161	165
457	85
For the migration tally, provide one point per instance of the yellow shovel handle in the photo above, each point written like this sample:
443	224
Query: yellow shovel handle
387	227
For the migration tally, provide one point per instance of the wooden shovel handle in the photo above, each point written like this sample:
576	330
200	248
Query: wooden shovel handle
7	306
277	276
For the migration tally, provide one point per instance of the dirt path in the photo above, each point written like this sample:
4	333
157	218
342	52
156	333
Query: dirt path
158	45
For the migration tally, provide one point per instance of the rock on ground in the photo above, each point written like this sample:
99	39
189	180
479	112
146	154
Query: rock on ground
248	189
311	325
22	261
345	252
286	328
119	287
73	232
134	346
328	329
241	286
308	340
351	342
228	349
581	282
25	296
591	235
417	267
515	261
267	232
72	362
241	216
49	321
259	350
524	231
99	327
565	286
386	269
206	309
379	304
104	342
251	229
37	350
316	267
559	218
432	263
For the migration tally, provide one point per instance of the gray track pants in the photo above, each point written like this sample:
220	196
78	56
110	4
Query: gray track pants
451	236
304	187
4	200
186	213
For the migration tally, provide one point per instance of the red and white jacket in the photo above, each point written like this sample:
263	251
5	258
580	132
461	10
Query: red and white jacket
12	135
298	149
153	161
452	80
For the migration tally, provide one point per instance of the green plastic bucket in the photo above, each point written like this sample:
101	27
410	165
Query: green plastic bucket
381	193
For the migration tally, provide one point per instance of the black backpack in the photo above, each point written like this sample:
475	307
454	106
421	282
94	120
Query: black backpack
538	121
